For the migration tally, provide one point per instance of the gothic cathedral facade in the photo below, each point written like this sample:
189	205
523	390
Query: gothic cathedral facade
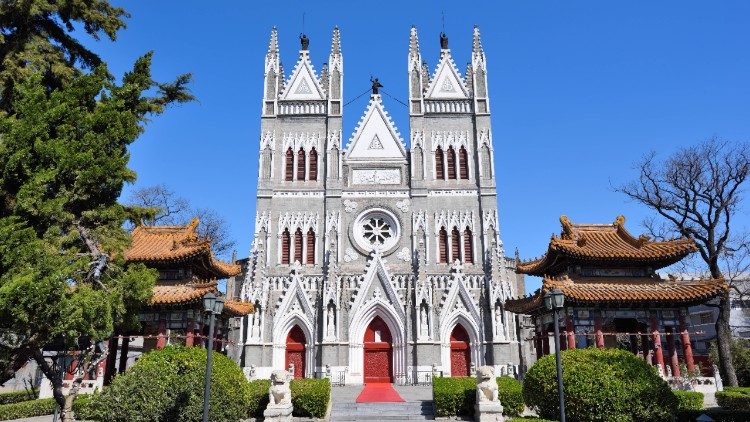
374	260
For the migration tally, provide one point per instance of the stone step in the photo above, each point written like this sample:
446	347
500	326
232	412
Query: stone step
417	411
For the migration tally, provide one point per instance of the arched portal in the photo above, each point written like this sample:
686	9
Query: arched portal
295	351
460	352
378	352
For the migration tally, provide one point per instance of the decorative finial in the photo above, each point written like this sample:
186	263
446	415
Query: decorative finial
376	85
413	42
620	220
476	47
336	41
304	42
443	41
273	43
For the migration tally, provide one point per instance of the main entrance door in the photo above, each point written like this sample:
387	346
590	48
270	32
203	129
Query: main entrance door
378	352
460	352
295	351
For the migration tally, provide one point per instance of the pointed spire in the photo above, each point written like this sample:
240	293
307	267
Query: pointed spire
336	41
413	43
273	44
476	47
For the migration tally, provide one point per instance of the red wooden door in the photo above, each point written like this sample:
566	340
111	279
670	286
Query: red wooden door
460	352
378	359
295	351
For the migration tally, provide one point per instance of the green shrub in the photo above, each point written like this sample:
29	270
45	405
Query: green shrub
529	419
457	395
257	397
600	385
167	385
310	397
688	400
18	396
734	398
27	409
718	415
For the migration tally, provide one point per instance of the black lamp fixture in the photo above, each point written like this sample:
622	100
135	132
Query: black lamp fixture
554	300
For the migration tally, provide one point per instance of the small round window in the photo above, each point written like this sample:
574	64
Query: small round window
376	229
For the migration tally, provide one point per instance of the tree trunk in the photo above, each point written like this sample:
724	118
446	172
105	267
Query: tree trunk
724	342
53	376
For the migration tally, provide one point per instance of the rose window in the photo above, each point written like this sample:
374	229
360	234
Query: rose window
376	228
376	231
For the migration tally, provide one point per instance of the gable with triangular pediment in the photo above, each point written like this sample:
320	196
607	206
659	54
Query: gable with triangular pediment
377	285
303	85
447	83
295	300
459	298
376	137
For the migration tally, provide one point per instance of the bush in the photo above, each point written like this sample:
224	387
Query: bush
27	409
167	385
718	415
529	419
18	396
600	385
310	397
734	398
688	400
457	395
740	358
257	397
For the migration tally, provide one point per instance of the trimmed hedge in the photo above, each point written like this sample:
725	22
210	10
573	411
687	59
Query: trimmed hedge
718	415
529	419
456	396
734	398
18	396
688	400
310	397
600	385
27	409
257	397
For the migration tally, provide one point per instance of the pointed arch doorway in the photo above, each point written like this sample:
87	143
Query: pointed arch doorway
295	351
460	352
378	352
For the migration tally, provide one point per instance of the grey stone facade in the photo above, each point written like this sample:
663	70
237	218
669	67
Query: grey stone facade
371	223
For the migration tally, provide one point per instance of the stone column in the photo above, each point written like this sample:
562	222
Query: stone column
570	331
598	329
656	340
674	361
687	348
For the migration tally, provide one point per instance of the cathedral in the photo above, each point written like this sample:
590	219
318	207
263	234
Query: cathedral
375	260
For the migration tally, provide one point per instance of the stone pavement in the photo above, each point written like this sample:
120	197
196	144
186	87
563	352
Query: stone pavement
417	405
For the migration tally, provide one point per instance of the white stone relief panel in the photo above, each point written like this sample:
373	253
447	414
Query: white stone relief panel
403	205
376	177
350	206
404	254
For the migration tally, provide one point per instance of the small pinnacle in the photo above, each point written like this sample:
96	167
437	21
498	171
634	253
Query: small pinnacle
273	43
477	44
413	42
336	41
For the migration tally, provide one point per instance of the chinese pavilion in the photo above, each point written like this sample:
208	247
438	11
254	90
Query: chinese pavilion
188	270
613	295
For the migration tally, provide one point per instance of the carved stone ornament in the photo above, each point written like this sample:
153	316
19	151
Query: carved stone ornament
350	255
376	177
404	254
403	205
350	206
279	398
488	407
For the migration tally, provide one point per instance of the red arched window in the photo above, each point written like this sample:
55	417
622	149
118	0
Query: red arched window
313	165
443	246
439	170
289	165
451	161
310	258
301	164
298	246
285	240
468	247
455	244
463	163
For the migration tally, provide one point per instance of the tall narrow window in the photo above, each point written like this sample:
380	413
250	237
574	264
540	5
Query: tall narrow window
439	170
298	246
313	165
289	165
301	164
443	245
463	163
285	245
455	244
451	161
468	247
310	258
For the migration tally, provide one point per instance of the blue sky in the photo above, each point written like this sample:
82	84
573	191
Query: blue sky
579	91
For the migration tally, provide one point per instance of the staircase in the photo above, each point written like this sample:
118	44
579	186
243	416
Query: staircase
407	411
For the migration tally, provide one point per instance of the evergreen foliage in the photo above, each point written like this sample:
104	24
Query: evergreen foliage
310	397
734	398
456	396
688	400
18	396
257	397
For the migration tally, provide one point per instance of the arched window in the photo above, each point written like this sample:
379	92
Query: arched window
301	164
298	246
463	163
468	247
451	161
439	170
289	165
443	245
285	245
313	165
455	244
310	258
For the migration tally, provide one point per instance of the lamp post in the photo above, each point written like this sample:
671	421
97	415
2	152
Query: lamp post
212	306
554	301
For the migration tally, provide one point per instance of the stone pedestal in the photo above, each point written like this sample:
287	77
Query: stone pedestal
488	412
279	413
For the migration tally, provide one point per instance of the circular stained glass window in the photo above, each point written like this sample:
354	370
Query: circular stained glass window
376	228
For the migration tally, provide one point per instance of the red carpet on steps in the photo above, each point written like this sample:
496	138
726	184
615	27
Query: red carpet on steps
378	392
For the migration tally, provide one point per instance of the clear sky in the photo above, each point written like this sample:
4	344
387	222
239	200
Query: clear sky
579	90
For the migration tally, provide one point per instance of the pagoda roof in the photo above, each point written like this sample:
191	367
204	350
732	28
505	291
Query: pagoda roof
604	245
192	293
171	245
619	291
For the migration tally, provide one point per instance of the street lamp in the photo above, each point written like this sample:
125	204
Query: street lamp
212	306
554	301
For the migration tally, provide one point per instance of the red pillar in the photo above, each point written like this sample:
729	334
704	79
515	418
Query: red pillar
687	348
656	339
674	361
598	328
162	339
111	367
189	335
124	355
545	342
571	332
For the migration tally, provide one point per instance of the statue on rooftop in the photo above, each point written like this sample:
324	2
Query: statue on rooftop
304	42
375	85
443	41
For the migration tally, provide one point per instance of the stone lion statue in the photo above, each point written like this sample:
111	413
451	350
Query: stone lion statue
279	393
486	384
